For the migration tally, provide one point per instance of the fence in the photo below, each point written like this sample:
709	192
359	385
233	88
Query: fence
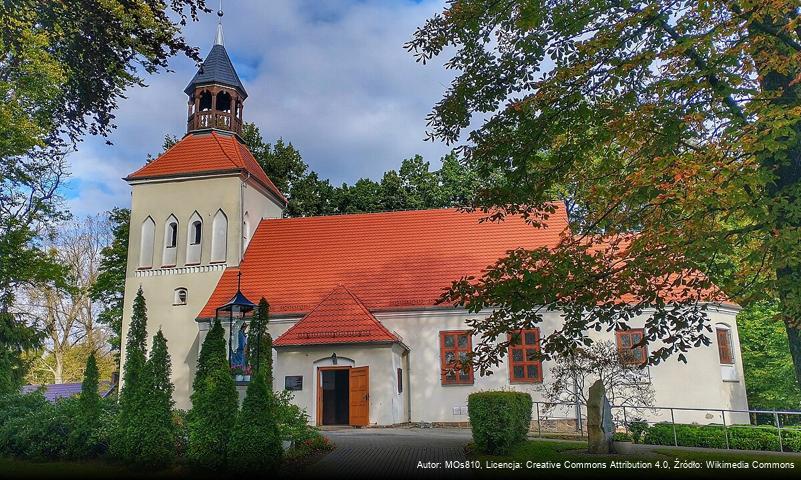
569	419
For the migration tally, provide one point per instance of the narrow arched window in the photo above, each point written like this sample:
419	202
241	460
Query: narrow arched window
246	230
170	242
219	237
180	296
194	239
197	229
148	236
172	234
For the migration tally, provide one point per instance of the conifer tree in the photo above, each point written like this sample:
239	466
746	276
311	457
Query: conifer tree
154	424
135	346
215	403
261	340
87	418
89	397
212	350
125	441
256	441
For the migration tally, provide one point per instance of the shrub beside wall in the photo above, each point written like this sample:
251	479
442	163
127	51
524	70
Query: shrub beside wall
714	436
499	420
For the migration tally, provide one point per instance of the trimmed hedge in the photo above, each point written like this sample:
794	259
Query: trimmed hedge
499	420
714	436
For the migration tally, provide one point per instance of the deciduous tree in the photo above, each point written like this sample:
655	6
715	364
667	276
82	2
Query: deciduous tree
674	125
63	68
572	375
768	366
109	286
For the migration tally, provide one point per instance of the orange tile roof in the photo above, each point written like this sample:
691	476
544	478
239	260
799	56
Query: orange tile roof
206	152
339	318
390	261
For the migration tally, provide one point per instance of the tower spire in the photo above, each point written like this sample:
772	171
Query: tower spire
215	93
218	39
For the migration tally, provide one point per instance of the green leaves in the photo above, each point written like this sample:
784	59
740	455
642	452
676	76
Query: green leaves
675	121
109	287
414	186
768	365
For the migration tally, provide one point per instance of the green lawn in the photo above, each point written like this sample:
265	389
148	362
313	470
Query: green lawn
569	459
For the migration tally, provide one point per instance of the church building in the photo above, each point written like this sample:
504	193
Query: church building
359	338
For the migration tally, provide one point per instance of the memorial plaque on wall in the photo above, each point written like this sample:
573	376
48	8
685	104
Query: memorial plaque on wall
293	382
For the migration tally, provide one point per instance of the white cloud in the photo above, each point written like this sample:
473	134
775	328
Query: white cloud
332	77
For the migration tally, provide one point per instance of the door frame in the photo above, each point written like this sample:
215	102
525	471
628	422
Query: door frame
319	383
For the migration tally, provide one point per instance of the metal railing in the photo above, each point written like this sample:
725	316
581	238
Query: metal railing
572	417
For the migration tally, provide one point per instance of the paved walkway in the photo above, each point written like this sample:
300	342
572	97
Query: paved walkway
395	452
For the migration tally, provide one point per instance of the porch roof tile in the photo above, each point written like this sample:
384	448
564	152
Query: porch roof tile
339	318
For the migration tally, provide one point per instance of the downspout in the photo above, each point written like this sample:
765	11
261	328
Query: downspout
242	218
408	387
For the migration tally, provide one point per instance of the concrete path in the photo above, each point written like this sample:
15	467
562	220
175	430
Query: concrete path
395	452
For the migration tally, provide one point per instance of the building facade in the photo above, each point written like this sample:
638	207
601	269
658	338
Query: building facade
359	336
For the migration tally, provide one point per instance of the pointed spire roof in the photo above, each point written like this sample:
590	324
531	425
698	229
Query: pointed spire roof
217	68
340	318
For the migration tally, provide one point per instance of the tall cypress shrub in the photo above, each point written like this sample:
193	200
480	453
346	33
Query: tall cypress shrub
256	442
82	440
125	440
212	350
215	403
155	426
261	336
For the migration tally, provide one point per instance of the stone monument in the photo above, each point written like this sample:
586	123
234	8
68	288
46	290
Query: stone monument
599	420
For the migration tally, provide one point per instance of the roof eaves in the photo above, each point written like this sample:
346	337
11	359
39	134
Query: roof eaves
311	345
200	173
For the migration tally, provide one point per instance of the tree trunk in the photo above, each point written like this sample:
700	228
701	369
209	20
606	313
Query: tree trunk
784	191
58	372
784	196
794	336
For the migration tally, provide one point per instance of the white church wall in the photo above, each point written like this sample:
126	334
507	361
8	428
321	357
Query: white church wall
385	407
696	384
257	203
159	200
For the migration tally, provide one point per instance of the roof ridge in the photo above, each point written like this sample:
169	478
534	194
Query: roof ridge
293	327
356	214
366	310
217	139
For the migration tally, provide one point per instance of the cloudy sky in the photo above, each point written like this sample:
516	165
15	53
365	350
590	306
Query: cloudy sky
332	77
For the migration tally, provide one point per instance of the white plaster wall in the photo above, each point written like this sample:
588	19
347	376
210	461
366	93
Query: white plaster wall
258	204
384	404
696	384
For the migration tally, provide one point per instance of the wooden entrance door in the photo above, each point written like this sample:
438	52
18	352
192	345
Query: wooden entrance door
359	384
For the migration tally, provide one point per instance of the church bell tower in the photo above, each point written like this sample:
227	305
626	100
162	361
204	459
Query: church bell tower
194	210
216	94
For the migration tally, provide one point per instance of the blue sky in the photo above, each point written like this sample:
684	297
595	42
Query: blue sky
332	77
